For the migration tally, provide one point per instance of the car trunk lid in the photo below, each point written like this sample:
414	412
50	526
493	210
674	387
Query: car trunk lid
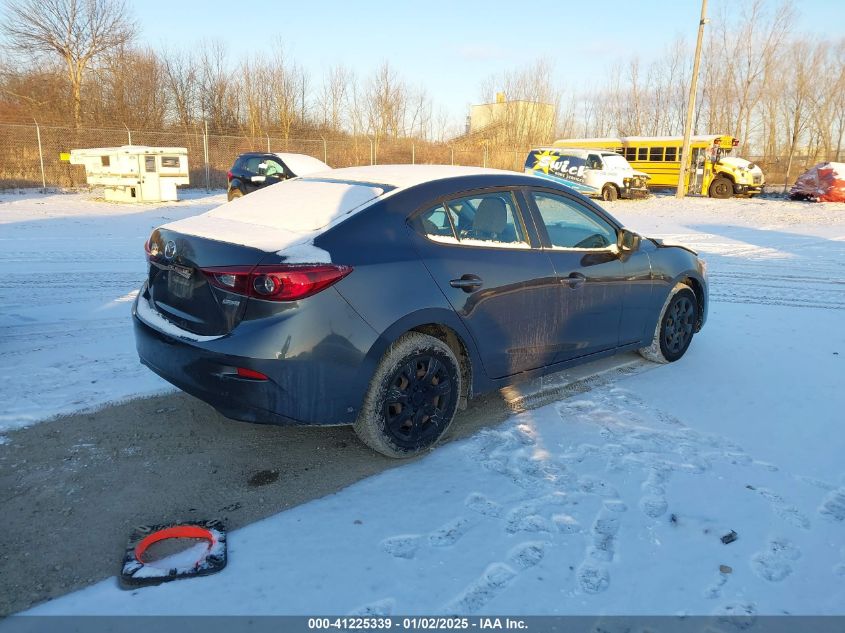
180	291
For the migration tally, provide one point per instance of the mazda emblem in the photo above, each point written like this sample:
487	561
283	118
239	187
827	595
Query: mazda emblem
170	250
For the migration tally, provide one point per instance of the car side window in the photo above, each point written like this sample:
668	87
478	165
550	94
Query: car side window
251	164
273	168
570	224
488	219
435	223
482	220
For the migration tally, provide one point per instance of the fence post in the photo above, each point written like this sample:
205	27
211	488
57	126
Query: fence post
268	143
129	132
484	159
372	153
325	150
41	158
452	155
205	152
413	154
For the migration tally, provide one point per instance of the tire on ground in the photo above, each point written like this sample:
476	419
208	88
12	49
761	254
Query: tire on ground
410	350
721	188
234	193
609	193
658	351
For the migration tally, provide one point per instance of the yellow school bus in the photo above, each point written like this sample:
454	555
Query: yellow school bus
713	171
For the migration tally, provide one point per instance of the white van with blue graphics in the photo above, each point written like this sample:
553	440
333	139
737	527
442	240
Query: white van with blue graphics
592	172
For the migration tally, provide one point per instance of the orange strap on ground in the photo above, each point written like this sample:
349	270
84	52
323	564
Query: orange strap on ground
178	531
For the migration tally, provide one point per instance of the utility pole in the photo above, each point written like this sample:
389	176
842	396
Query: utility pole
693	90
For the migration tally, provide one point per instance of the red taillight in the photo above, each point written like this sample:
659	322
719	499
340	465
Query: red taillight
243	372
277	282
229	176
148	249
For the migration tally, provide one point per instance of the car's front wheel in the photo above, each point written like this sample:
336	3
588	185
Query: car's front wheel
234	193
721	188
675	328
412	397
609	193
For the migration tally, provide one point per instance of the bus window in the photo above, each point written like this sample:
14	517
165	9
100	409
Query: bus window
642	153
655	154
630	154
672	154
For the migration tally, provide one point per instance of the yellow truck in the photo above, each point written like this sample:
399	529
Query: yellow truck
713	171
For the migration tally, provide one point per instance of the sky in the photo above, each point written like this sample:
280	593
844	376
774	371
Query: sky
451	48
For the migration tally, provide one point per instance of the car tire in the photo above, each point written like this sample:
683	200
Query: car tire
234	193
721	188
675	327
405	410
609	193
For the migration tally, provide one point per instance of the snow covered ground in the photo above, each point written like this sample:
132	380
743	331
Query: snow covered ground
610	502
70	266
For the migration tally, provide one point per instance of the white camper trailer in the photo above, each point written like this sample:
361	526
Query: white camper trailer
134	173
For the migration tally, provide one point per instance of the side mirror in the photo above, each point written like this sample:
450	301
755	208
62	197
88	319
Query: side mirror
258	178
627	241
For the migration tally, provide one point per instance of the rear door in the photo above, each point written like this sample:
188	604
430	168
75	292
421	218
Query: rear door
482	256
591	287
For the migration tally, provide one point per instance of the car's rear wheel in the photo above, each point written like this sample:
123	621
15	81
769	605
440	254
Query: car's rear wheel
234	193
609	193
675	328
412	397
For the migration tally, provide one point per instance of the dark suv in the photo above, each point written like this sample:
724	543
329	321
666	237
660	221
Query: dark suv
254	170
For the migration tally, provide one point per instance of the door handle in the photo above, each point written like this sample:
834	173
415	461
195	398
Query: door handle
467	283
575	280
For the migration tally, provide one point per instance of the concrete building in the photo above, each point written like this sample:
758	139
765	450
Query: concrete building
513	121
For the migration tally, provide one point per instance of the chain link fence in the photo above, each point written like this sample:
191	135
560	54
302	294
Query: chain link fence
30	154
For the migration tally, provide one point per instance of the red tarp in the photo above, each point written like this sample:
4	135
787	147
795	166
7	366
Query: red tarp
823	183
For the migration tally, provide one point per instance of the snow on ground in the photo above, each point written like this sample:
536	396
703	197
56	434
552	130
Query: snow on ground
613	501
70	267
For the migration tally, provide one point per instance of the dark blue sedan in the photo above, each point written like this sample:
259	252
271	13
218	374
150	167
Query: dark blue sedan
386	297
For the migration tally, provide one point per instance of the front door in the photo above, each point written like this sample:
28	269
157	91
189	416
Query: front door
581	245
478	250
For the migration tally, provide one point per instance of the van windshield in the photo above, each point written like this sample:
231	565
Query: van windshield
615	161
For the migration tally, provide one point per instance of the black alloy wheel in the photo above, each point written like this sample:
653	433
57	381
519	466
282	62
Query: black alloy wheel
417	404
678	325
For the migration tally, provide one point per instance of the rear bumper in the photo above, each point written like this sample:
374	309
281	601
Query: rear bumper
208	376
324	385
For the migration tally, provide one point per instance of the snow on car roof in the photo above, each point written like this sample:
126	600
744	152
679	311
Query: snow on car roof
302	164
286	217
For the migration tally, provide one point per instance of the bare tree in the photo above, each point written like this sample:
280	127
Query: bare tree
78	31
796	100
182	82
385	101
333	97
217	97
